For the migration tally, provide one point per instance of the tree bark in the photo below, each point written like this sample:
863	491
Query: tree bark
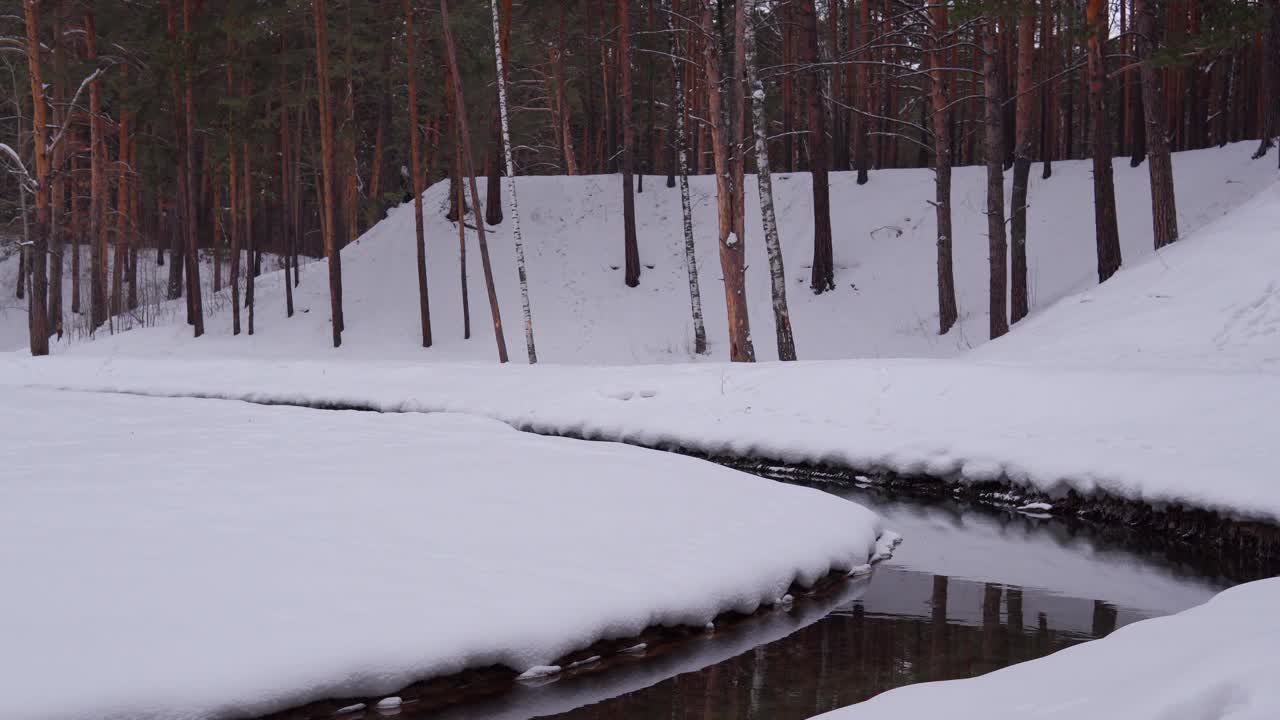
122	213
777	272
464	131
1104	193
861	121
940	98
997	247
97	189
194	299
58	205
415	154
1022	161
1269	84
823	278
686	207
251	246
38	310
631	251
726	125
326	151
1164	217
455	188
233	181
500	58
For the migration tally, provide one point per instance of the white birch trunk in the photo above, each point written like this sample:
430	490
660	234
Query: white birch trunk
777	275
511	187
690	253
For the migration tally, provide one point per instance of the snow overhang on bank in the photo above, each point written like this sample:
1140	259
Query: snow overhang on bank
262	558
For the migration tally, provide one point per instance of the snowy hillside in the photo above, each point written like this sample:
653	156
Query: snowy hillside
1209	301
884	304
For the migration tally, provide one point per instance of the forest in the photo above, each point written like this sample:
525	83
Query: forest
168	131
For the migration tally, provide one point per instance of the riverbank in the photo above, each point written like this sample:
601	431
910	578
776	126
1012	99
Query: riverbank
1212	661
205	559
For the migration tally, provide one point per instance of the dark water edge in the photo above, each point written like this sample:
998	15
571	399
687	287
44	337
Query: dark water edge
1203	541
970	591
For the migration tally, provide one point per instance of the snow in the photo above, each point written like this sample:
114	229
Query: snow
884	304
1209	444
1158	386
1213	661
1078	397
203	559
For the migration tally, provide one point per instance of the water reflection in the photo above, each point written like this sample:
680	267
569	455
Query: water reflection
969	592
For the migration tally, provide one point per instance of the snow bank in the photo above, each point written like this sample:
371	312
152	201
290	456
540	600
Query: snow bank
1203	439
884	304
1213	661
201	559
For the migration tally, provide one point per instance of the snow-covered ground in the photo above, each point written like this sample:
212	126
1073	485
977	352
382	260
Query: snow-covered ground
198	558
1217	660
1161	386
1206	439
884	305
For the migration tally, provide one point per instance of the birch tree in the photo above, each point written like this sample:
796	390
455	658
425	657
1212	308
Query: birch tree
686	208
521	269
777	273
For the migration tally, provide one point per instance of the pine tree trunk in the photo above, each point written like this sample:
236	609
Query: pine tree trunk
777	272
823	261
415	155
862	124
77	229
455	189
464	131
1048	91
686	207
194	299
58	205
997	247
1104	192
1164	215
233	180
630	248
38	309
132	301
1022	161
725	124
499	56
173	229
97	189
940	98
287	228
122	213
251	247
326	142
1269	84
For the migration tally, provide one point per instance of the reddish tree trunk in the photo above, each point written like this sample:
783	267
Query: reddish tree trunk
38	308
415	154
461	118
1104	193
630	248
326	152
823	278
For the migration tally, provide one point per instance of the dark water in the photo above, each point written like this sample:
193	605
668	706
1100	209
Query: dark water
967	593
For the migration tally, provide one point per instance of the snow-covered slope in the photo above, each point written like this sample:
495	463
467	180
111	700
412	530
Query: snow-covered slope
1211	300
884	304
